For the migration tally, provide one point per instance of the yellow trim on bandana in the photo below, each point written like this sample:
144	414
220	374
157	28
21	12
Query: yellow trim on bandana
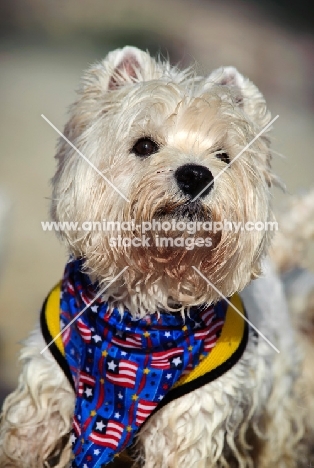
226	352
226	345
52	314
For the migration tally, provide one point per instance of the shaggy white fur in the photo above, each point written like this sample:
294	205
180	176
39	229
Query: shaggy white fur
190	119
252	415
38	414
237	420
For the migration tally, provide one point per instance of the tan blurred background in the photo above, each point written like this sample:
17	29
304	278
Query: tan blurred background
44	46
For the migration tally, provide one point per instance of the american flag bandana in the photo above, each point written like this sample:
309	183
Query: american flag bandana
122	367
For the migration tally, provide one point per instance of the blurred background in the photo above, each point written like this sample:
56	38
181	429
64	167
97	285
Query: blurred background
45	45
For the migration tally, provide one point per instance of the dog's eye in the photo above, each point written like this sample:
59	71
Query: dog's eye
145	147
223	156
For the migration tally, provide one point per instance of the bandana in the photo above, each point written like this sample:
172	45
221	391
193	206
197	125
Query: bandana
124	369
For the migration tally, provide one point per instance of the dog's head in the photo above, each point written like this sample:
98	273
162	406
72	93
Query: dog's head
165	146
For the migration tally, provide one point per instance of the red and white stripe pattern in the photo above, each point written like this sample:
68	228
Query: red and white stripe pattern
87	296
144	409
161	360
209	343
80	389
207	317
209	334
188	370
70	288
85	379
66	335
124	373
130	341
84	331
76	426
107	435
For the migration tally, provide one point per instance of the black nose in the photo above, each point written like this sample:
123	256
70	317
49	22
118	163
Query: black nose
192	179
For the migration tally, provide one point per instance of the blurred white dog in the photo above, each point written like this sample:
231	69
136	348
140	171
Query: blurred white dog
160	363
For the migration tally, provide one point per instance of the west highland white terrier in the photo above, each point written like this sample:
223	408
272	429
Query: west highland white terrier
145	350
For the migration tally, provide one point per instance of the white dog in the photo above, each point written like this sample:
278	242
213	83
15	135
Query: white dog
153	359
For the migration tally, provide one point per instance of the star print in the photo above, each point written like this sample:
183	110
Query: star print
100	425
176	361
96	338
87	369
92	329
88	392
120	395
112	365
168	376
123	353
90	350
94	308
160	397
97	452
119	333
85	466
72	439
117	415
167	334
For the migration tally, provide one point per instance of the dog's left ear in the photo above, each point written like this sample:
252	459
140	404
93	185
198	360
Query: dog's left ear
242	92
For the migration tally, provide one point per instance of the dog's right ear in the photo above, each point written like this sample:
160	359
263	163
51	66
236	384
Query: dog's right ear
126	66
119	68
122	67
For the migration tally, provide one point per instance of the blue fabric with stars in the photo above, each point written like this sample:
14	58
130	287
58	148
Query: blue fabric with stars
123	367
